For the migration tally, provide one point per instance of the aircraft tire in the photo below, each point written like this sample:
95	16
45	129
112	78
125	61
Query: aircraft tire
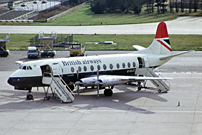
30	97
139	88
108	92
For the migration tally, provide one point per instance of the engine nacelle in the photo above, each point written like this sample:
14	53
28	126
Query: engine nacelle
88	81
111	81
103	81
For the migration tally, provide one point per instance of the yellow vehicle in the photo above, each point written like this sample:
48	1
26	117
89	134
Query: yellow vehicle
77	50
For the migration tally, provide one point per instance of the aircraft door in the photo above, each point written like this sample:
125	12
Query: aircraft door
146	61
141	62
57	69
45	69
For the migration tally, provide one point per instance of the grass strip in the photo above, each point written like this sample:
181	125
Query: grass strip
124	42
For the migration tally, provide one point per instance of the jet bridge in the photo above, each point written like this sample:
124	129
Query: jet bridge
48	44
3	51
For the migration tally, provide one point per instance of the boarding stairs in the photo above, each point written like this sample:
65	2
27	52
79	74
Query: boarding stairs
58	86
162	85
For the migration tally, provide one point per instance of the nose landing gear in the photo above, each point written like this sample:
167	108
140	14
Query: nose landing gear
30	96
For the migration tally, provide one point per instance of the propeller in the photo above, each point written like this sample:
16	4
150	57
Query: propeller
98	83
78	83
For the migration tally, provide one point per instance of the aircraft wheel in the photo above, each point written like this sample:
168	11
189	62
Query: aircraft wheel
139	88
30	97
108	92
159	91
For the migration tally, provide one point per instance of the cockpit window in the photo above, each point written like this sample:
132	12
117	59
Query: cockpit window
25	67
29	68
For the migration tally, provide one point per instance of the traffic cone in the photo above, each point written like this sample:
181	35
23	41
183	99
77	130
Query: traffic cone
178	104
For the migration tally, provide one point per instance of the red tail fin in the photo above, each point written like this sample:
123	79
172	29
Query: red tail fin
161	31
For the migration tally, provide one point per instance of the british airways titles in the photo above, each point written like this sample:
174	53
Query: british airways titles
77	62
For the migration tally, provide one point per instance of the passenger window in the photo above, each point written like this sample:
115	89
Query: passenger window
72	69
84	68
123	65
111	66
79	69
117	65
129	64
105	67
134	64
91	68
98	67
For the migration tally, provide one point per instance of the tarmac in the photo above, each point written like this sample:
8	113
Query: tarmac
127	112
181	25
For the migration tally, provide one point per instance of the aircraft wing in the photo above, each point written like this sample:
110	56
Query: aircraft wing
111	80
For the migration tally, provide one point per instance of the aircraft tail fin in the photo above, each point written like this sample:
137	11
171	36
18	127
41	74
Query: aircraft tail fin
161	42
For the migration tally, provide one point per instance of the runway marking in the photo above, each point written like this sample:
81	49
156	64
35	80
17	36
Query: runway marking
64	108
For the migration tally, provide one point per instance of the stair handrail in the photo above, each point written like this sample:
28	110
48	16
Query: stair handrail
51	75
65	84
159	75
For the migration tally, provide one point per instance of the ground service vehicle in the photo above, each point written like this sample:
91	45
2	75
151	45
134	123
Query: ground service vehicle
46	54
77	50
3	51
33	52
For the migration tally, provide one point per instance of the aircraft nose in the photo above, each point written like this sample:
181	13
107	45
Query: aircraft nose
10	81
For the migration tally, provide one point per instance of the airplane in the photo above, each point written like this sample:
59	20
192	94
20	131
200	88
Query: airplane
103	71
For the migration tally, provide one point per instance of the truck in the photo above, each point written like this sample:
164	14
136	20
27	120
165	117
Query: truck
33	52
48	53
77	49
3	51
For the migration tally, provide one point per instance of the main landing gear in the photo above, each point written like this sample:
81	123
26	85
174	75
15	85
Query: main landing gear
139	86
108	92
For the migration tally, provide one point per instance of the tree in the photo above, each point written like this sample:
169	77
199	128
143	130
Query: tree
161	6
182	6
190	4
137	5
150	5
111	5
171	5
98	6
176	7
195	5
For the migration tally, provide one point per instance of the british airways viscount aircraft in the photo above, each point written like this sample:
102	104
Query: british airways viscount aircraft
103	71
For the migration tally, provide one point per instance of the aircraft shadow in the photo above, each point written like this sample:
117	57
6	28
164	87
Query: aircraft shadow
127	100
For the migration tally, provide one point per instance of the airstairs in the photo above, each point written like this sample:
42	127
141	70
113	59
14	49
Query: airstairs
58	86
162	85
